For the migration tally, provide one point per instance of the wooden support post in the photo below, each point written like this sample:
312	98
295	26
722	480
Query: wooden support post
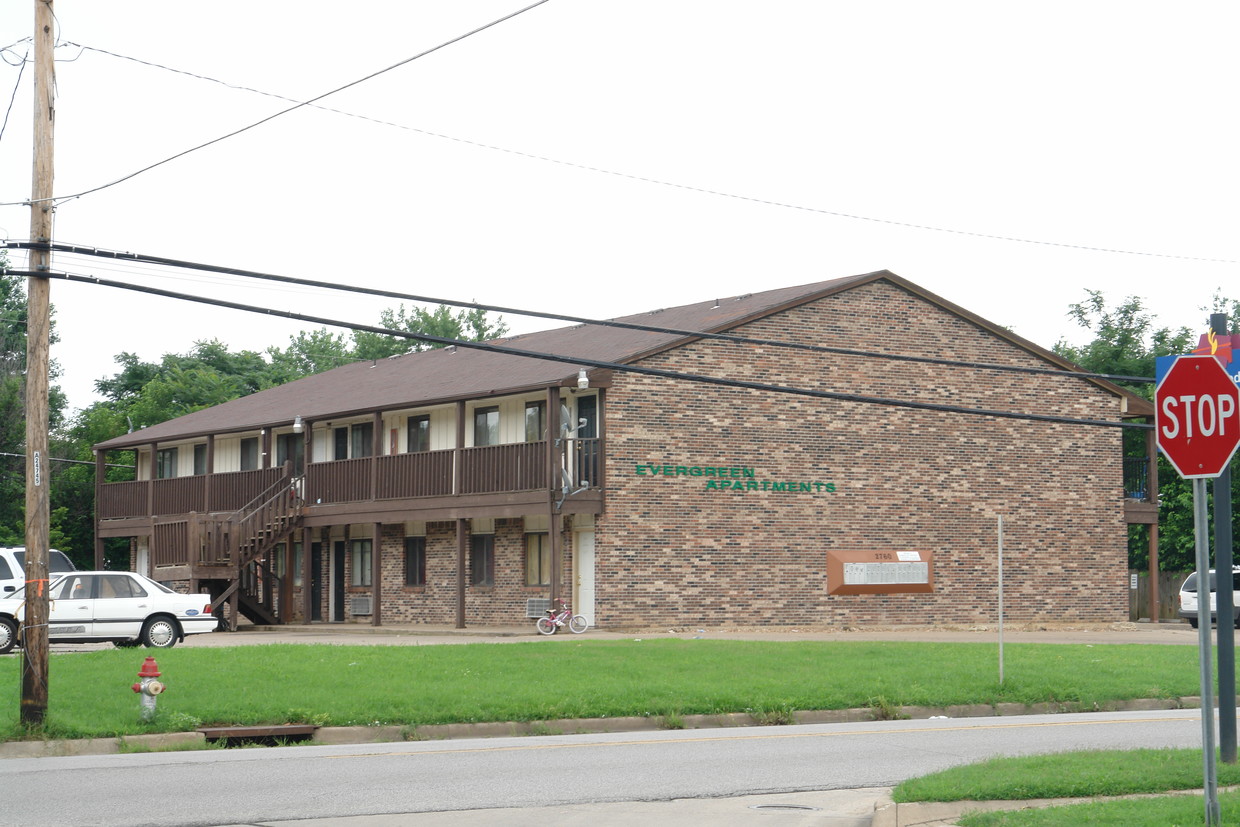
101	476
461	557
555	462
376	576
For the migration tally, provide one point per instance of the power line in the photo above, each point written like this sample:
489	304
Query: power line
74	461
597	363
234	133
729	337
642	178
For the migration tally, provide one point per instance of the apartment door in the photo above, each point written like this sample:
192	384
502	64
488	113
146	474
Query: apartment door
337	584
583	564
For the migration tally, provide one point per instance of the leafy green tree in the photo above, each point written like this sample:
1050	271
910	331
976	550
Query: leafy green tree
1126	342
308	354
464	325
13	326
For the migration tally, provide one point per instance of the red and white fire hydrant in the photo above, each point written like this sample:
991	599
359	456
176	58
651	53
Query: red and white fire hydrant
148	687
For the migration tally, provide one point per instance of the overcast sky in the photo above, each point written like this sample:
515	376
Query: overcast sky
605	158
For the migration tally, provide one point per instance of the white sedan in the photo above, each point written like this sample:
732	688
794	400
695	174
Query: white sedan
119	606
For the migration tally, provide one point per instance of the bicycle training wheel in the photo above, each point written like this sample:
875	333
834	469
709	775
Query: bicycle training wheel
577	624
546	626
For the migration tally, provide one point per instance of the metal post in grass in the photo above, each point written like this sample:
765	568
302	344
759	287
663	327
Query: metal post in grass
1201	533
1225	600
1000	599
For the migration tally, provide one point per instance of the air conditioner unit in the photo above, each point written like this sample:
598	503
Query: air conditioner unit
360	606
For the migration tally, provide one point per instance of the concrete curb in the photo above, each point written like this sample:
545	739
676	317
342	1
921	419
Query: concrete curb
575	726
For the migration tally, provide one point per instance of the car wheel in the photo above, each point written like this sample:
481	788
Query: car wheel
8	635
160	633
1192	621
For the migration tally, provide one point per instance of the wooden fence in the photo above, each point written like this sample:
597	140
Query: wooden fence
1168	594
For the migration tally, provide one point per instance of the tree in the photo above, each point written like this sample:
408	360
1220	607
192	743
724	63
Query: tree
13	320
464	325
308	354
1126	342
142	393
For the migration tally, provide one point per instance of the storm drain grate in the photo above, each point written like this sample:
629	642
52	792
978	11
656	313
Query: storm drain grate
801	807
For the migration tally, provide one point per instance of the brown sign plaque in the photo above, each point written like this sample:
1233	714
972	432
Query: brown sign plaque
880	572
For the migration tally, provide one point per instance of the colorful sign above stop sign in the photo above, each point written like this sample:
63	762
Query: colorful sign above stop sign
1197	416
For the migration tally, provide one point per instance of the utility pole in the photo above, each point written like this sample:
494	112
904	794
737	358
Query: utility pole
34	644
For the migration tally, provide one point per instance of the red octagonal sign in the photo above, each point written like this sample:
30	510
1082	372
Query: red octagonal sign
1197	416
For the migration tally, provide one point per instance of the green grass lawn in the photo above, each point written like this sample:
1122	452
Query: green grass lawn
1078	775
89	693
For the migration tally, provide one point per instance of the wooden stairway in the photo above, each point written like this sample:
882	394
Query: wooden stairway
237	548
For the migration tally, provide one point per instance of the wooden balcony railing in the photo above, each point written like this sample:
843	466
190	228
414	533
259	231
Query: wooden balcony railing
181	495
1137	478
520	466
491	469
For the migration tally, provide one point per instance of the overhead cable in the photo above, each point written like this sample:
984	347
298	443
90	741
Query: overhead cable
728	337
671	184
578	361
294	108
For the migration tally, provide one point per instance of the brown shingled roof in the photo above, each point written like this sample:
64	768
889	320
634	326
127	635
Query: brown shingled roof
451	374
446	375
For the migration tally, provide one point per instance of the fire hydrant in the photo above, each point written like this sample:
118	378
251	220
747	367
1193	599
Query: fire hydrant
149	687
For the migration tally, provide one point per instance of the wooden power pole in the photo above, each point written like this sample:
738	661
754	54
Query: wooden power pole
34	644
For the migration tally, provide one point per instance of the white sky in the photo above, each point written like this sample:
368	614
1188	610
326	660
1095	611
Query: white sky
1101	124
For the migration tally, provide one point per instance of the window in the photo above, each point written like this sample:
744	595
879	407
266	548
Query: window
340	440
298	563
362	438
360	558
165	463
415	561
74	587
419	433
200	459
118	586
537	560
535	421
482	560
249	454
486	426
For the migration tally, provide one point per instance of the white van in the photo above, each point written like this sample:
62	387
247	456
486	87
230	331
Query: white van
13	567
1188	598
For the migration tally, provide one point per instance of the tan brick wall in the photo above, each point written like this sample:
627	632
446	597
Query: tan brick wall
672	552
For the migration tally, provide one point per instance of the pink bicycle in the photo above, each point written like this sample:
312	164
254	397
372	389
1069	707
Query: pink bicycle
556	620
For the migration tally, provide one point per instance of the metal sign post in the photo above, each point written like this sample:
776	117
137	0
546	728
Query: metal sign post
1202	534
1197	424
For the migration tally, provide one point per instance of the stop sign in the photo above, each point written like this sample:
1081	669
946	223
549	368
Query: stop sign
1197	416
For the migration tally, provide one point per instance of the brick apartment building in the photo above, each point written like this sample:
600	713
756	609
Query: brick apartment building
463	486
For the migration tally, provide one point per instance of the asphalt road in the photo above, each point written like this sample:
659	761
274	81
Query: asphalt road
552	776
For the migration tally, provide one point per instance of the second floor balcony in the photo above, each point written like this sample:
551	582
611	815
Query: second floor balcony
453	473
